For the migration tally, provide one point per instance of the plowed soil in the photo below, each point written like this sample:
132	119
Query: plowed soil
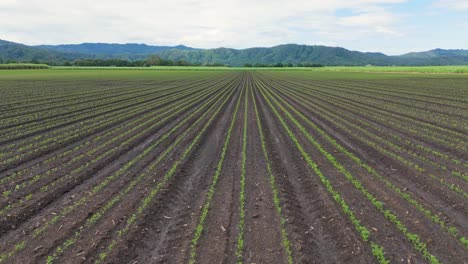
235	167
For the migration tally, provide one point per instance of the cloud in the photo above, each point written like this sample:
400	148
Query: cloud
202	23
459	5
380	21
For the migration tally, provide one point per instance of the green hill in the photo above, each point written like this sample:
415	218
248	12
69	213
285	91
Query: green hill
436	53
129	51
285	54
10	51
290	53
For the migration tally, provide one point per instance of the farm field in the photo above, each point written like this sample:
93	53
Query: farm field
237	166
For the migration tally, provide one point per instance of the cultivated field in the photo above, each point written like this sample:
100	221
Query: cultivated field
137	166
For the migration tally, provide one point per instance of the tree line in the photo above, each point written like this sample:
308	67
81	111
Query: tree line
279	64
153	60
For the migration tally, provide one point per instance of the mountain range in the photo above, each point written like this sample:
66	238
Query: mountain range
288	53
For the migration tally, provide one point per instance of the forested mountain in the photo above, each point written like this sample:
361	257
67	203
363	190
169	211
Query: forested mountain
129	51
290	53
284	54
437	53
10	51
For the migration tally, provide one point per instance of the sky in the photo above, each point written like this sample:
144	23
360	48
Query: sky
389	26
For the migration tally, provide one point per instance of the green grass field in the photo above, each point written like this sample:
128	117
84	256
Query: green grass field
106	73
19	66
371	69
398	69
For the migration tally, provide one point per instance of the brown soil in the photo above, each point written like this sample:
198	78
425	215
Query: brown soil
316	228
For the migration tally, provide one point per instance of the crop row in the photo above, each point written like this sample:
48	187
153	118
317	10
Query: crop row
101	138
392	149
442	94
436	90
63	137
166	114
21	131
39	93
272	180
403	117
148	199
66	110
112	178
413	103
389	215
383	117
394	145
404	193
363	231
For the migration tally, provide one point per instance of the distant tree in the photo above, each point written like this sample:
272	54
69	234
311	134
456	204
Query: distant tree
248	65
138	63
167	63
279	64
153	60
307	64
127	63
182	63
216	64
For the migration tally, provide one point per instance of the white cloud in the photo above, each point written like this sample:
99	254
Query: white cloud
202	23
381	22
452	4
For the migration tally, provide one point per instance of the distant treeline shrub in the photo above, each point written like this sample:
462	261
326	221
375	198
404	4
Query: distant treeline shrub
279	65
15	66
152	60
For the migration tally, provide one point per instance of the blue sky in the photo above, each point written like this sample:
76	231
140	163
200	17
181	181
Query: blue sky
389	26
